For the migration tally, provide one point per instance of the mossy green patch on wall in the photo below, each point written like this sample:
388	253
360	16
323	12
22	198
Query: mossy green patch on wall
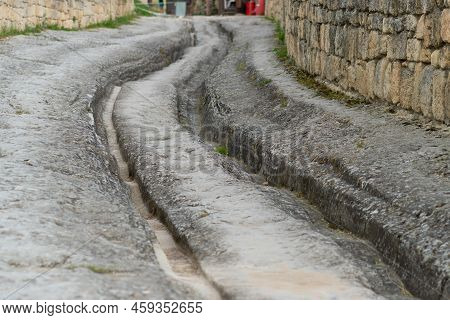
223	150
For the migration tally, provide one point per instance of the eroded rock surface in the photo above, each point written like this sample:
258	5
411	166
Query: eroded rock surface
71	227
67	227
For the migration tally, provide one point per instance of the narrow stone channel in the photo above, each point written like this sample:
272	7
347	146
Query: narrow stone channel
173	259
251	241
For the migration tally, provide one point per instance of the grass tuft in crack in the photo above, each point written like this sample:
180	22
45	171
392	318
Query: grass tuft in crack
241	66
141	9
223	150
99	269
113	23
263	82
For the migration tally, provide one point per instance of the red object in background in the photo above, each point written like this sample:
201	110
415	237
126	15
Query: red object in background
259	8
250	8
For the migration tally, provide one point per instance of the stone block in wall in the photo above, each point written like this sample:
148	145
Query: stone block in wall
339	17
413	49
339	42
436	58
333	70
370	76
351	77
425	90
353	18
384	44
397	45
410	22
410	6
432	30
424	6
420	29
330	42
445	25
375	6
439	83
406	87
392	25
387	81
444	62
362	44
380	72
395	7
447	98
425	55
351	43
360	70
314	36
418	69
373	46
375	21
394	93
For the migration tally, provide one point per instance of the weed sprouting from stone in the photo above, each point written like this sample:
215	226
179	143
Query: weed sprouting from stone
223	150
20	112
241	66
263	82
284	102
113	23
9	32
360	144
99	269
141	9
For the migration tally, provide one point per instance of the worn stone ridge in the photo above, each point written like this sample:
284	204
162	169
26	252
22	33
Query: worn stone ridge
251	241
63	13
368	171
394	50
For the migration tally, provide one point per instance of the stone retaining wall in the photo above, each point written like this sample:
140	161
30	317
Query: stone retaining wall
394	50
17	14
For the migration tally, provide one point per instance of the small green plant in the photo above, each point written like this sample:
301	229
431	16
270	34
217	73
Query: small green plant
56	28
113	23
141	9
99	269
284	102
70	267
241	66
223	150
263	82
20	112
9	32
281	53
279	31
360	144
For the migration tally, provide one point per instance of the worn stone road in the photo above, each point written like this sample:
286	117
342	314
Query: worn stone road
68	229
110	186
